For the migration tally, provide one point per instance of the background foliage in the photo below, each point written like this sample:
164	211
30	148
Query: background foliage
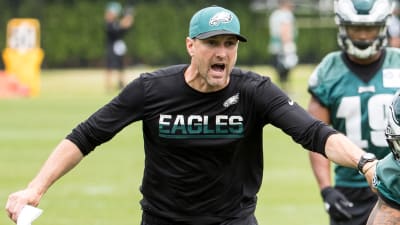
72	32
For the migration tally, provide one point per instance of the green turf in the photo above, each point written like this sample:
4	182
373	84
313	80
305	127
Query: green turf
103	189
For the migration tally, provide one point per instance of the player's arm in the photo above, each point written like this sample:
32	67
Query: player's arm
126	21
128	18
65	157
290	58
336	204
286	32
319	164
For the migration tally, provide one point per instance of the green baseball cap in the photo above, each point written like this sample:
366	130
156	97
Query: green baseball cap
212	21
114	7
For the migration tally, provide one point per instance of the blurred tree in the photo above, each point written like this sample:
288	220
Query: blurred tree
72	30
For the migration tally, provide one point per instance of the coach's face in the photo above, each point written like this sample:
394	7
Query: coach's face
212	61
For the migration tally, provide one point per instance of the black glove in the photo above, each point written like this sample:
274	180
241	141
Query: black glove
336	204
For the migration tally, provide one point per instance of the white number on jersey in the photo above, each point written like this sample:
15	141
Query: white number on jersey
350	110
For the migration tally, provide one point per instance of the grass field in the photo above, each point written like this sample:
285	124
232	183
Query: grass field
103	189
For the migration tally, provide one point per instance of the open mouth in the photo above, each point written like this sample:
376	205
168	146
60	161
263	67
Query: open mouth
218	67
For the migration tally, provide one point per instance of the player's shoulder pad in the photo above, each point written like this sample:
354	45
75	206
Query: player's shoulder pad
327	68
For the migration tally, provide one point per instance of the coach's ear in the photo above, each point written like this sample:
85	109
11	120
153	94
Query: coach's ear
190	46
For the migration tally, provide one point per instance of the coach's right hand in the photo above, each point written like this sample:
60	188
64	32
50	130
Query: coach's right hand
16	201
336	204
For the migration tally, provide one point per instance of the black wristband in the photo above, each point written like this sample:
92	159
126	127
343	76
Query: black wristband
366	158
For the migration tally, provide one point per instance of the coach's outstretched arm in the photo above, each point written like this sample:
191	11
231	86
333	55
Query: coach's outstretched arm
341	150
65	157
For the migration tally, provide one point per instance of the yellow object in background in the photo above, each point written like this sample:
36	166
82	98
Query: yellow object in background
23	56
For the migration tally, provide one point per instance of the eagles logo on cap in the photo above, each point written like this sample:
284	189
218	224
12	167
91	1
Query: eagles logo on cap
212	21
221	17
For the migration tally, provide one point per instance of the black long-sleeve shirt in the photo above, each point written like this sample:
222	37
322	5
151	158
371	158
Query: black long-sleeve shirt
203	151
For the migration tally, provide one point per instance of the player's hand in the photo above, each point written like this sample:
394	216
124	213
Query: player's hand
289	58
370	174
16	201
336	204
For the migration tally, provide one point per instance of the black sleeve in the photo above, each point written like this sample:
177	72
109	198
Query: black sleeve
291	118
304	129
105	123
313	137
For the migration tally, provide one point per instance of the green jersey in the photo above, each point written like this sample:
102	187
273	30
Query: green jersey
357	97
387	180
